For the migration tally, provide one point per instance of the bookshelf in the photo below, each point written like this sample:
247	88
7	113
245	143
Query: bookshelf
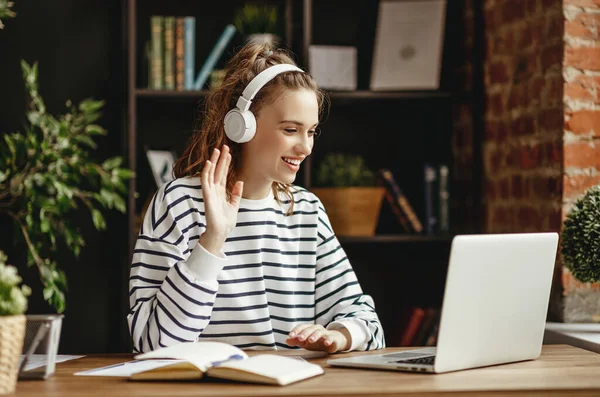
399	130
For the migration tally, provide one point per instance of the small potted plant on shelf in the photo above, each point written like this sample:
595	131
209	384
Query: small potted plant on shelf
580	237
13	305
350	194
46	173
257	23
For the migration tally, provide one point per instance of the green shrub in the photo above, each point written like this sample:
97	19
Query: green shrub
580	237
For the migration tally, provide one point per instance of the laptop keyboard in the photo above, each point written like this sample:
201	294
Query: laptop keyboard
422	360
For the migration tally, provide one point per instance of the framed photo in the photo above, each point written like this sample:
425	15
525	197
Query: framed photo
161	163
333	67
408	45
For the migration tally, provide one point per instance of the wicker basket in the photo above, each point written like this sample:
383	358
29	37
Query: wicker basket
353	211
12	332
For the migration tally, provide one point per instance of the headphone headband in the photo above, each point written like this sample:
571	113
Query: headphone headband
259	82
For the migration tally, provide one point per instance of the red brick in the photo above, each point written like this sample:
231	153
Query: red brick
532	7
512	11
551	120
582	155
495	104
553	91
530	157
584	121
583	57
516	185
552	153
536	85
583	3
498	73
490	190
575	185
502	131
578	92
584	25
504	188
524	125
529	218
491	128
555	220
525	38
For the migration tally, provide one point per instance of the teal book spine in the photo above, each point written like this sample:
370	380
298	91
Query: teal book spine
214	56
189	27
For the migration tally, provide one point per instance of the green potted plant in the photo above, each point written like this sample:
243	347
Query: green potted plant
46	173
580	237
13	305
350	194
257	23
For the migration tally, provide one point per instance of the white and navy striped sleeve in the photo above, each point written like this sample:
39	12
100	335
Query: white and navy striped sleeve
171	290
339	299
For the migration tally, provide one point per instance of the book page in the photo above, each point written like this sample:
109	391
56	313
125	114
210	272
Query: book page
201	354
126	369
267	368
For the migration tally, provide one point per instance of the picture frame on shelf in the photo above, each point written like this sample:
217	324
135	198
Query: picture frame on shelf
333	67
409	43
161	164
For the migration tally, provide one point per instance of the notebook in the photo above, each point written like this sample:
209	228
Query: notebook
196	360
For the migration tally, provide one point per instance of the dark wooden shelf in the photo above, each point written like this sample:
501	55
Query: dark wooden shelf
394	238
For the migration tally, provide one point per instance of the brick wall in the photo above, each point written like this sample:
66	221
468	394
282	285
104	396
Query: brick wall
522	149
581	71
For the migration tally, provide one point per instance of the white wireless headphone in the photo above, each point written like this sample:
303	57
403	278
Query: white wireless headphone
240	123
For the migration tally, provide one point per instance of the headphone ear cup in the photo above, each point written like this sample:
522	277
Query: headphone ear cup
240	126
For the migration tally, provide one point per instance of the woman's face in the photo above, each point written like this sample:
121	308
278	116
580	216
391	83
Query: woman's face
285	133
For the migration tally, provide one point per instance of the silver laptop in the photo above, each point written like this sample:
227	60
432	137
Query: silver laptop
494	308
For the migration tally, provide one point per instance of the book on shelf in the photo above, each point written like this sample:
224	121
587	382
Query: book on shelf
189	57
400	205
412	326
214	56
444	198
172	53
179	54
169	61
437	198
156	56
198	360
426	325
431	220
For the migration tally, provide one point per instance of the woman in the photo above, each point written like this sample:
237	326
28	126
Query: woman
231	250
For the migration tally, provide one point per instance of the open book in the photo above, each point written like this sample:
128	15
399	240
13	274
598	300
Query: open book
221	360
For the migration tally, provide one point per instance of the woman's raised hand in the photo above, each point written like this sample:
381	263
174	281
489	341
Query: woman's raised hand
221	212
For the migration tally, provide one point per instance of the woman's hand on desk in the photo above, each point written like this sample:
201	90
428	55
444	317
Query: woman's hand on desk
315	337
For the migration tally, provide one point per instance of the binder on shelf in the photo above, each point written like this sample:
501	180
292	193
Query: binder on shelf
214	56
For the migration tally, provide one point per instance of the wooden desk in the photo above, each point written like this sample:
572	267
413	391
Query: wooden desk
560	370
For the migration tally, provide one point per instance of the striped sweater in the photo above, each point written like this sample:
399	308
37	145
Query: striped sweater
274	272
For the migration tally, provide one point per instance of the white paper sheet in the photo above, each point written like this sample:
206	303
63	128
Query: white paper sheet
126	369
40	360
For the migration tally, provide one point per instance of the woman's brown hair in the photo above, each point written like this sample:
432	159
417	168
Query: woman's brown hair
248	62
